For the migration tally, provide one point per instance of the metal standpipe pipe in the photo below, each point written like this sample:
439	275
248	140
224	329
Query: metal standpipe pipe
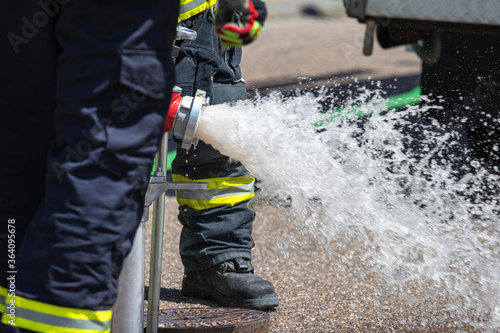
157	245
128	311
130	301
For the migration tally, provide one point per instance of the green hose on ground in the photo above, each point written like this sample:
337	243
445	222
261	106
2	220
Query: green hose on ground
411	97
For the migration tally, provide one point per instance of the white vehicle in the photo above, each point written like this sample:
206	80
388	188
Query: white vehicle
397	22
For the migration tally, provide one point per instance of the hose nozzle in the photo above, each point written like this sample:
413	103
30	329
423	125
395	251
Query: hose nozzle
184	115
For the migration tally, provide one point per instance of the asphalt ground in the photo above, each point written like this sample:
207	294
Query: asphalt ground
316	294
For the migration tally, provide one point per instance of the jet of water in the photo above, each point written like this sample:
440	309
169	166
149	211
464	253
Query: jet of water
404	186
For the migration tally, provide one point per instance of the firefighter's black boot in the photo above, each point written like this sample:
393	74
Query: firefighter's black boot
231	284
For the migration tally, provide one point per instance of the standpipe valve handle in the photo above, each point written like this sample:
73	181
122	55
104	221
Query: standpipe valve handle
184	115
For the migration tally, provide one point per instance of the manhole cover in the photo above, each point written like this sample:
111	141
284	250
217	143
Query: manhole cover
213	320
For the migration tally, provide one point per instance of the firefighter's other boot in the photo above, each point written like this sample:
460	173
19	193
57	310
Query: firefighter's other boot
231	284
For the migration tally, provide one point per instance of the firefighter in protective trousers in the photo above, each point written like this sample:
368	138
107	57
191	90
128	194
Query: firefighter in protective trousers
85	87
216	239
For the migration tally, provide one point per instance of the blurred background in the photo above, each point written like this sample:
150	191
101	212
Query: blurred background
314	43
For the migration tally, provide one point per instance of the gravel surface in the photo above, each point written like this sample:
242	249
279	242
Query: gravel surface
317	292
301	49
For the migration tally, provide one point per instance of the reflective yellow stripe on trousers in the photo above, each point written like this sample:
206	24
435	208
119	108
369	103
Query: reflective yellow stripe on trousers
3	296
41	317
192	7
220	192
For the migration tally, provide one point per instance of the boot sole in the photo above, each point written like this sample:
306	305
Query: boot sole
261	303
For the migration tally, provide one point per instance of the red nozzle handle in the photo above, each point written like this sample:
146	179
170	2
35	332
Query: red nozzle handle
175	101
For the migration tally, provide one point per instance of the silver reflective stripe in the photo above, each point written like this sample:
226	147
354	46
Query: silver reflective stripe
52	320
191	5
217	193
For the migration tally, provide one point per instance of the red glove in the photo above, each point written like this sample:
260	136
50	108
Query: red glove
253	13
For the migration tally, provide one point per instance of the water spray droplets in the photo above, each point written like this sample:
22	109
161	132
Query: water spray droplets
397	189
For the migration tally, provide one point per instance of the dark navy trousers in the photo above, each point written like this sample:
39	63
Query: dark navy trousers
217	223
84	89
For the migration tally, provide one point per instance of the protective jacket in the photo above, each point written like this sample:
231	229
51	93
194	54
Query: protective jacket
217	223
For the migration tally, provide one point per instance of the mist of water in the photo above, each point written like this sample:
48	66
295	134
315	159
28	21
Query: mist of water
407	188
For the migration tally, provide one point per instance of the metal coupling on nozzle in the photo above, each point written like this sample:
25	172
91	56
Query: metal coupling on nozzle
184	115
